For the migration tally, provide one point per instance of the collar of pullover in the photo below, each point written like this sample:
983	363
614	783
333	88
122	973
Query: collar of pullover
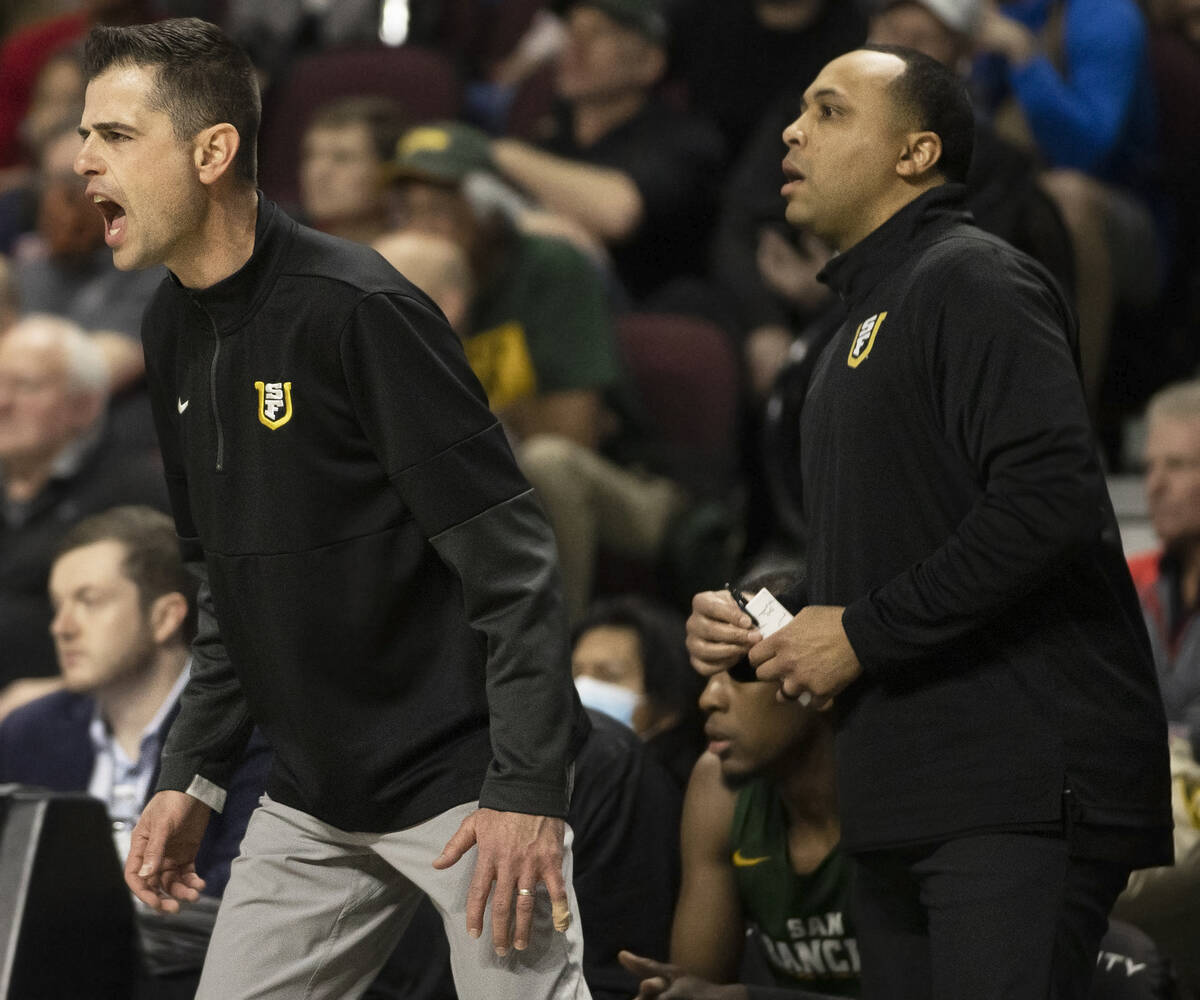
865	264
232	301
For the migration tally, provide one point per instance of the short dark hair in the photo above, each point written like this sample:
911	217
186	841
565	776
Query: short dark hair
938	100
152	559
383	118
203	77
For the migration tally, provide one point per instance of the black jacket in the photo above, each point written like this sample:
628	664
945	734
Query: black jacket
384	597
956	506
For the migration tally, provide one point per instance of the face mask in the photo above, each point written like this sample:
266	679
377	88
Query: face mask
611	699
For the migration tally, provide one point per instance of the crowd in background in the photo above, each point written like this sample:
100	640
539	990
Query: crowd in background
589	190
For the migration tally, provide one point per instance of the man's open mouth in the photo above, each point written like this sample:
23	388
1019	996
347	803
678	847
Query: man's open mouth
114	218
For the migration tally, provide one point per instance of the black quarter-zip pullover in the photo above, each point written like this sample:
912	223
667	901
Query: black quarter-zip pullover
382	593
957	508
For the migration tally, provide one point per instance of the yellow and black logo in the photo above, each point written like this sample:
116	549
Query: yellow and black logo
864	339
274	403
501	361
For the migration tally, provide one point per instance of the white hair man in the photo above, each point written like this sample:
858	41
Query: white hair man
1168	580
57	465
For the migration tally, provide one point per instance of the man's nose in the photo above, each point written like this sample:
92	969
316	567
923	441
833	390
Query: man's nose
63	622
86	162
711	698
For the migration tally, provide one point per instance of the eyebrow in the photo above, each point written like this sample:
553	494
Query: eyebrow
106	127
823	92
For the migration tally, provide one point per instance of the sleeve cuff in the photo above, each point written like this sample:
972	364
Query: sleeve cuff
211	795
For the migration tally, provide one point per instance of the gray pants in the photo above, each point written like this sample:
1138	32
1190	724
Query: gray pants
312	912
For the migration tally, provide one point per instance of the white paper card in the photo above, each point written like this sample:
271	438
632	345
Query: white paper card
771	615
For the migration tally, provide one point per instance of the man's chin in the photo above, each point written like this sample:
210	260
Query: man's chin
735	778
125	262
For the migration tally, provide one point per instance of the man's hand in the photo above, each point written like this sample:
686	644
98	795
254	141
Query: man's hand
516	852
791	271
809	654
997	32
718	632
766	350
161	868
671	983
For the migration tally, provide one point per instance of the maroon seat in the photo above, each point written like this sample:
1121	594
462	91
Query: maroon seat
687	375
423	81
686	372
531	104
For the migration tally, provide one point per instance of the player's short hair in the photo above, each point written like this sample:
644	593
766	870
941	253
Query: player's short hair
203	78
938	101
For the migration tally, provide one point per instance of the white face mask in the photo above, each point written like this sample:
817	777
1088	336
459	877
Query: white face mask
611	699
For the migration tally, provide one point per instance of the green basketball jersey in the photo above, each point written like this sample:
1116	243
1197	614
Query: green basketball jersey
802	923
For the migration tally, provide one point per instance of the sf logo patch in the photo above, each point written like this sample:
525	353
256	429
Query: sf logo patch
274	403
864	339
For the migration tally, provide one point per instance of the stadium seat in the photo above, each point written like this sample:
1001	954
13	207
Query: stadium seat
423	81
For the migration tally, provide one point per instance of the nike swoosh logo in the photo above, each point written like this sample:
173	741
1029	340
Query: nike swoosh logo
741	861
181	404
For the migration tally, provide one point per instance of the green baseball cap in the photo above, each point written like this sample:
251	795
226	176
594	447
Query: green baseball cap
443	152
644	16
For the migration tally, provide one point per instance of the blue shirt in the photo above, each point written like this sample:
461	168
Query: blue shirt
123	784
1098	115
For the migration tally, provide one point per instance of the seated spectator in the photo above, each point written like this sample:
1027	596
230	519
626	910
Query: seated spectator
1074	85
64	269
57	97
124	614
538	334
624	817
632	172
1168	580
790	40
58	463
343	159
26	51
629	661
436	265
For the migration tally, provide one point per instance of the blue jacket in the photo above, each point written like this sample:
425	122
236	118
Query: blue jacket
1100	116
46	743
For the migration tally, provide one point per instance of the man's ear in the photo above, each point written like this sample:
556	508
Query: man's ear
921	153
166	615
213	151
